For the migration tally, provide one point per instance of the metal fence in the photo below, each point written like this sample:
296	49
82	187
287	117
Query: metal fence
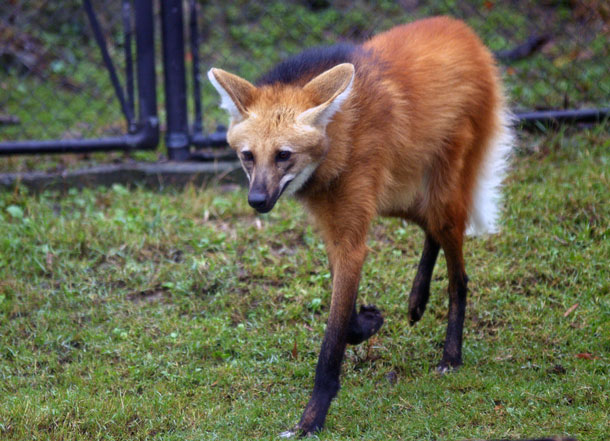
56	96
81	75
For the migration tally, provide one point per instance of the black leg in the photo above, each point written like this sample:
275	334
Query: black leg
326	383
458	287
452	351
346	275
420	292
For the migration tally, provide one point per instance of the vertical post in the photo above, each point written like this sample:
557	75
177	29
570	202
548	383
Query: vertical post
174	74
101	42
127	31
194	34
145	65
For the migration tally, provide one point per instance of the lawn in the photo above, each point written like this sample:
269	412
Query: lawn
181	315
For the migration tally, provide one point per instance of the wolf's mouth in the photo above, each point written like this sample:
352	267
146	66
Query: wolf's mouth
266	208
286	185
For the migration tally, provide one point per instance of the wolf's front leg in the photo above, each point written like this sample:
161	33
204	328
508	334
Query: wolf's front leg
347	265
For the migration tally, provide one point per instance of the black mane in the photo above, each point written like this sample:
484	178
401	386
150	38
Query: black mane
309	63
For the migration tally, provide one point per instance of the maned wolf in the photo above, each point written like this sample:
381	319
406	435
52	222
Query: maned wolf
412	124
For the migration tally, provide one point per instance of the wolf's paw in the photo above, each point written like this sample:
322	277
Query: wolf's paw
301	432
415	313
445	367
368	321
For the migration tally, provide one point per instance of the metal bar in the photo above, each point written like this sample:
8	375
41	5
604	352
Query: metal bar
194	37
557	117
147	135
174	74
142	139
524	50
101	42
213	155
127	31
216	139
145	66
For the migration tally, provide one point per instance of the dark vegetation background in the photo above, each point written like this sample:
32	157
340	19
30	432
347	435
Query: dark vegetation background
53	84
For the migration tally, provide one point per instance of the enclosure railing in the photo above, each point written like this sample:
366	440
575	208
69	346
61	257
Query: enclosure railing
143	133
205	44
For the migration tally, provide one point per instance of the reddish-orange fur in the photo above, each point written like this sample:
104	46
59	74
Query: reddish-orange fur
434	113
409	141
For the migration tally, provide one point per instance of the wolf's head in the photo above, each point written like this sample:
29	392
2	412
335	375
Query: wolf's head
279	131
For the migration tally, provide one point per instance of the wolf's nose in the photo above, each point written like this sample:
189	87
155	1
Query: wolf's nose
257	200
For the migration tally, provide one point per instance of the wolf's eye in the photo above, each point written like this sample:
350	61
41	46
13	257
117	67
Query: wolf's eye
283	155
247	155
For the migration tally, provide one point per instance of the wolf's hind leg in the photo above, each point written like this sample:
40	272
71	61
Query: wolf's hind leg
452	242
420	292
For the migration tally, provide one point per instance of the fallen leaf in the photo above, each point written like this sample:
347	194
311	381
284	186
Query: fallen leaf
570	310
295	353
587	356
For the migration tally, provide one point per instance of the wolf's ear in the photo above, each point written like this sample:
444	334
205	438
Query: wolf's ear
235	92
331	88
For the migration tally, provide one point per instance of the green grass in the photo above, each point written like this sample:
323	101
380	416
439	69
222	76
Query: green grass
131	314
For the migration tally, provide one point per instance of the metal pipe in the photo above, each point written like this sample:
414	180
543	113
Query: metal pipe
194	39
557	117
174	74
101	42
216	139
145	66
147	134
144	138
127	31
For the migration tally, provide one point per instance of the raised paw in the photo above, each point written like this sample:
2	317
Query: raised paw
370	318
365	324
